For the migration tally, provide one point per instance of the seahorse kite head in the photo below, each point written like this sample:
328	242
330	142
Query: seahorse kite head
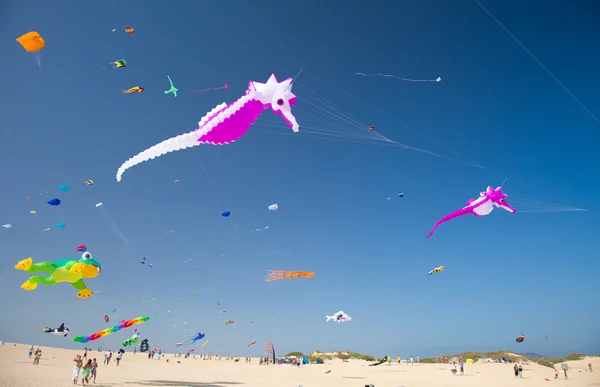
226	123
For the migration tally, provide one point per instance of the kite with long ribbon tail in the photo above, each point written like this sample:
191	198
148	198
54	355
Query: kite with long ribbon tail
277	275
122	325
438	79
224	87
227	123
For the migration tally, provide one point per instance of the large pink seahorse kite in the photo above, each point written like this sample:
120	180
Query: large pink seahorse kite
227	123
479	207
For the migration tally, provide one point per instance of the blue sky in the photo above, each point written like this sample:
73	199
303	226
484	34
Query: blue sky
533	272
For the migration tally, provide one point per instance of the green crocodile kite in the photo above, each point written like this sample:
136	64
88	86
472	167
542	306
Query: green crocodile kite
63	270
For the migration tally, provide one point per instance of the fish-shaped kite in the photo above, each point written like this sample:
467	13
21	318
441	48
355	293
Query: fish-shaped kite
338	317
134	89
436	270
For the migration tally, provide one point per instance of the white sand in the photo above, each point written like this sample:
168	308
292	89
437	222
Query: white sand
56	367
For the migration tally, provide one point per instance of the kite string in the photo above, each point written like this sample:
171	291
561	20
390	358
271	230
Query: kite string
539	62
273	36
438	79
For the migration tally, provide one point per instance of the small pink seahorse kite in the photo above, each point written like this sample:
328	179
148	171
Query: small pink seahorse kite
227	123
479	207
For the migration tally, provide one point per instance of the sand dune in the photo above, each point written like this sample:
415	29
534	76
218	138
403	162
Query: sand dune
56	367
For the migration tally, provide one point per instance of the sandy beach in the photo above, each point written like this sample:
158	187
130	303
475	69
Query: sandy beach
56	365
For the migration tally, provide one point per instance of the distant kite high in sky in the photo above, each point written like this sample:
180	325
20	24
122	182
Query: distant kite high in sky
32	42
436	270
227	123
134	89
173	90
479	207
276	275
339	317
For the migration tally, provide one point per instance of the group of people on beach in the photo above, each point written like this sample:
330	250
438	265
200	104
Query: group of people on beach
87	371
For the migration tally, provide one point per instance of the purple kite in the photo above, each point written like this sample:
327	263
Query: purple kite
227	123
479	207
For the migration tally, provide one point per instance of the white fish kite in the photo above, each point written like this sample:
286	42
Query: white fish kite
339	317
436	270
273	207
479	207
227	123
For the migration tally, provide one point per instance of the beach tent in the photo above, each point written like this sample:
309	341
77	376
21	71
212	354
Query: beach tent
480	361
304	360
315	354
503	359
470	361
319	361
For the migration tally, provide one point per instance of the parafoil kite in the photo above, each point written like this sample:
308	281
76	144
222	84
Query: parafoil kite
371	128
520	339
173	90
436	270
7	225
128	29
34	43
479	207
227	123
61	225
251	344
89	182
64	188
338	317
132	340
63	270
60	331
108	331
32	212
98	204
106	318
134	89
226	213
276	275
229	322
273	207
54	202
82	248
116	64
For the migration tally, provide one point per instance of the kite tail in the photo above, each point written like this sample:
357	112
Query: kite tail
455	214
183	141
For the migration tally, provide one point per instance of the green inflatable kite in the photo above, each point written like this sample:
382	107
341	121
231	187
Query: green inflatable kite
63	270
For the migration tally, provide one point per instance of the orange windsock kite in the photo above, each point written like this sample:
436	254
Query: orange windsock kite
32	42
277	275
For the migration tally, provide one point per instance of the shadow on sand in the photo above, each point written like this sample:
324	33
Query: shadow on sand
175	383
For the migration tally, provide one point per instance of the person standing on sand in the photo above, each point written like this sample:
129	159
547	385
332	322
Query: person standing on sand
134	350
555	373
85	354
520	371
453	368
94	369
119	355
516	369
85	376
462	368
565	371
30	351
418	359
412	361
77	368
590	366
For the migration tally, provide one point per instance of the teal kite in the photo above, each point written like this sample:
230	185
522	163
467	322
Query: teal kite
173	89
